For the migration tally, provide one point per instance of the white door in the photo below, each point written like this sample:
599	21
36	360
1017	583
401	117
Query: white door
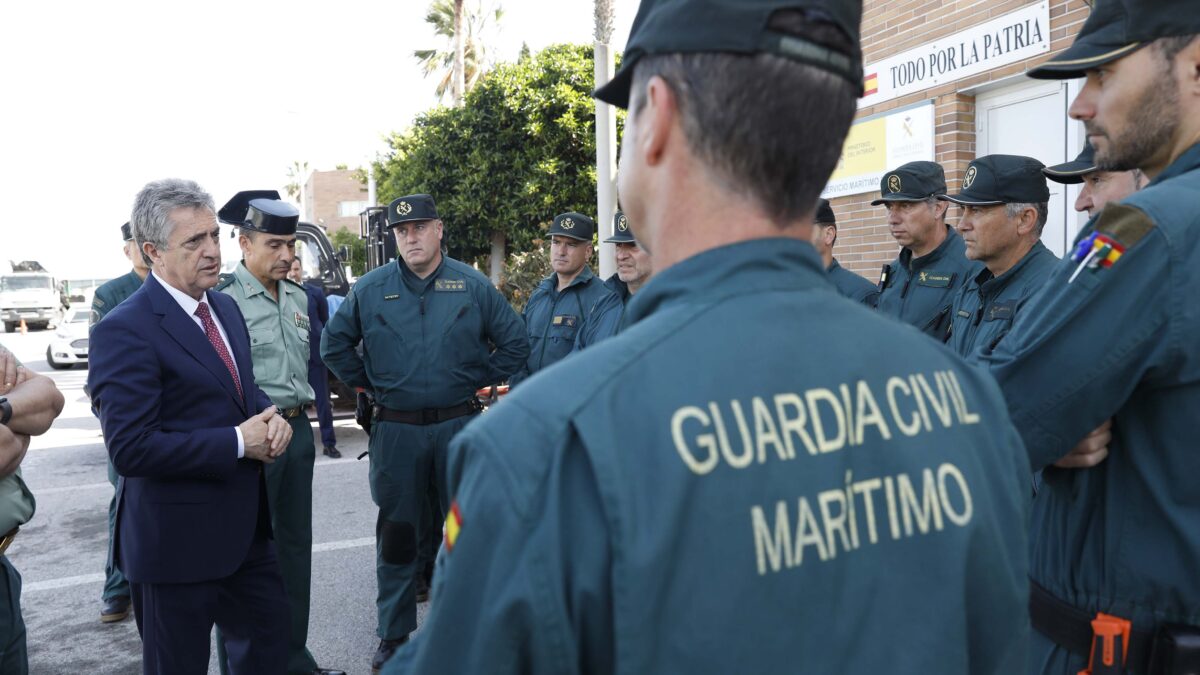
1030	119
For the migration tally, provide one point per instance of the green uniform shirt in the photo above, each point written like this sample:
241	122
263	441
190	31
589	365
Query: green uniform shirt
278	335
426	343
920	291
730	486
1118	342
112	293
986	305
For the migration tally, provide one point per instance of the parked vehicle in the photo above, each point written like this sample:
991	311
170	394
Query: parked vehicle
70	343
29	293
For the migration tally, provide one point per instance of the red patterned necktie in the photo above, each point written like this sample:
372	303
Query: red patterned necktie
214	336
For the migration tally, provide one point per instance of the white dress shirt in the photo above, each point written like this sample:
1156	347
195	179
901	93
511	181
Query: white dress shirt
189	305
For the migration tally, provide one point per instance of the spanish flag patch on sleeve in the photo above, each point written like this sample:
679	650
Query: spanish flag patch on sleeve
453	526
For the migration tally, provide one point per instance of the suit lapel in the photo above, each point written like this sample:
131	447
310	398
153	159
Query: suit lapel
184	330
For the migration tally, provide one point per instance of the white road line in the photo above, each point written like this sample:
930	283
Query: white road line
98	578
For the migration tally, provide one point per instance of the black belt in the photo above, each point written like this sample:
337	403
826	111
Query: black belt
289	413
428	415
1071	627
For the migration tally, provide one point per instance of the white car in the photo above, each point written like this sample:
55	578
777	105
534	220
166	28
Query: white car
70	343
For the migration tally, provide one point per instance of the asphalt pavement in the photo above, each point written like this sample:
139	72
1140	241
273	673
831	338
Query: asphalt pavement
61	552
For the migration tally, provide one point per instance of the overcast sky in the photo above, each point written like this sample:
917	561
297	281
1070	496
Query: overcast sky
98	98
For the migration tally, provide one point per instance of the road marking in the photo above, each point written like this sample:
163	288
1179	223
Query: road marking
98	578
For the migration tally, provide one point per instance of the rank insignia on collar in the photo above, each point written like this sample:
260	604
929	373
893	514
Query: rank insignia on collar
454	523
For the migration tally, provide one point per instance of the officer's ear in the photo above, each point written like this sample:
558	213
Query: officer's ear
1027	221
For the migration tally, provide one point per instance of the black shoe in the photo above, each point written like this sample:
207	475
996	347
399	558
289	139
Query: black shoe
422	589
386	649
327	671
115	609
332	452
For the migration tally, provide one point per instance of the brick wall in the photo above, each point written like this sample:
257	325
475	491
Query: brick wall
324	190
893	26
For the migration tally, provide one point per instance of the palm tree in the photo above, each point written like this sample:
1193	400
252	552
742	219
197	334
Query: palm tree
470	21
297	172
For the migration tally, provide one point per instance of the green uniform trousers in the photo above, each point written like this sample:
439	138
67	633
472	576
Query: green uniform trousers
289	492
14	660
408	473
115	584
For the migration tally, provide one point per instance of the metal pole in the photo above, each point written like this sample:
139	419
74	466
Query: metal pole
606	162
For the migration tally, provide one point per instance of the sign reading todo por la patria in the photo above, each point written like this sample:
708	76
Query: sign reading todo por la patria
1007	39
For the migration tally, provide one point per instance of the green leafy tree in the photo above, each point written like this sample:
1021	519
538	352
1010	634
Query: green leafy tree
296	173
520	150
358	250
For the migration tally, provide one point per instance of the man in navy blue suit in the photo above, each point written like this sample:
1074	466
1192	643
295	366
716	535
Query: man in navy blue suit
189	431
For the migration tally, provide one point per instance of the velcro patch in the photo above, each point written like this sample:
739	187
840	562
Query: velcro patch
1127	224
567	320
450	285
1002	310
934	279
393	296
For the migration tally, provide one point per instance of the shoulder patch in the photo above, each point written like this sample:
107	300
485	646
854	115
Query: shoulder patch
1127	224
224	281
97	302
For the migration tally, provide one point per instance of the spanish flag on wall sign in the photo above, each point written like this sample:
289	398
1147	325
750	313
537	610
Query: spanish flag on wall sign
453	526
870	84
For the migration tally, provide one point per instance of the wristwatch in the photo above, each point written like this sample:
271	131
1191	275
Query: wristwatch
5	411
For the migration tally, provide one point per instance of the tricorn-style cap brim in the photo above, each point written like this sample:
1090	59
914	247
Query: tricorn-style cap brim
235	210
126	232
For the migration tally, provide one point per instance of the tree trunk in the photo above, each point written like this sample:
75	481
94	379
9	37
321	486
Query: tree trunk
497	258
458	85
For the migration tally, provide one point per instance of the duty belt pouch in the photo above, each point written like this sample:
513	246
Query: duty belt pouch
364	407
1176	650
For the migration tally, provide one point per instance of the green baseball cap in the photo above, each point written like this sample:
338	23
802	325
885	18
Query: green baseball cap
1117	28
411	207
735	27
1002	179
573	225
912	182
1072	172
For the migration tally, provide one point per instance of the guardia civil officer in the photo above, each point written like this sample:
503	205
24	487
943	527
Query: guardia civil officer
634	267
1114	335
114	598
425	324
741	480
919	286
1005	204
1098	187
564	300
276	311
824	237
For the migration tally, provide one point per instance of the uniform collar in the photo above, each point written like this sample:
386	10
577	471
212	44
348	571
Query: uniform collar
758	265
249	283
990	285
410	277
909	262
551	282
833	265
1188	161
618	287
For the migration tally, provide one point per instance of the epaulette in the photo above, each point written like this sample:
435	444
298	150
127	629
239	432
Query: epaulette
297	285
224	281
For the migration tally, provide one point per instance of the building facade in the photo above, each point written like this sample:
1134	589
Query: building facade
945	81
334	199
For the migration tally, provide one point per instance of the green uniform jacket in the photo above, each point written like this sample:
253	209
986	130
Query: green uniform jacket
604	321
553	317
986	305
852	285
710	492
279	337
920	291
1121	343
424	348
112	293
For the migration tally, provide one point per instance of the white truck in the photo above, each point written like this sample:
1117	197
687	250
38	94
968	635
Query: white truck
29	293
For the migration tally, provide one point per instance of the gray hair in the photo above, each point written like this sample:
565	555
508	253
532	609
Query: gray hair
764	125
1014	209
150	220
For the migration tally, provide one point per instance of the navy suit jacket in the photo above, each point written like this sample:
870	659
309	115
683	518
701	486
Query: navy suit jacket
318	316
187	508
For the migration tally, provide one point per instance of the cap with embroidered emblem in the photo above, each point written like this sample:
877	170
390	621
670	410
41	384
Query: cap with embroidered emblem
912	182
1002	179
573	225
621	232
411	207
